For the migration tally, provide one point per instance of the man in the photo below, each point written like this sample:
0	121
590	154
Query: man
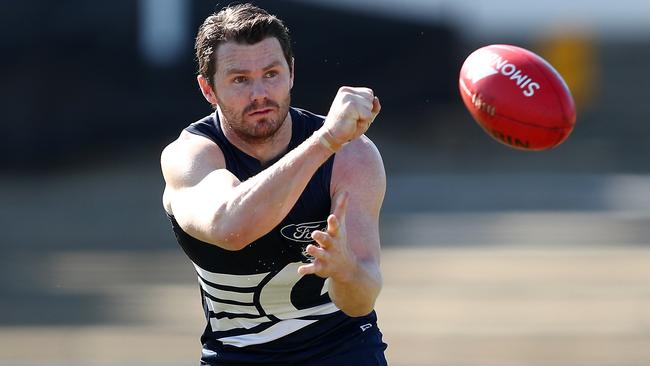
276	207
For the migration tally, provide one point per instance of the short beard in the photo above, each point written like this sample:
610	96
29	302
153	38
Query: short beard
264	129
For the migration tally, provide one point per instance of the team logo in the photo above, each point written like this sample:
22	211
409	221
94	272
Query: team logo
485	63
301	233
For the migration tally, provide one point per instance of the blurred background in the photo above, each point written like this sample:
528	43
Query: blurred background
491	256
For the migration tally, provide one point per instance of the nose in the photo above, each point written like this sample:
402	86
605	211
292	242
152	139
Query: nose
258	91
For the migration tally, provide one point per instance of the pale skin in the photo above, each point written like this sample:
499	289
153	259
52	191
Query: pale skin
251	91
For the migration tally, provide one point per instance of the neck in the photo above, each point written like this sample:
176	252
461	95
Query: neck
264	150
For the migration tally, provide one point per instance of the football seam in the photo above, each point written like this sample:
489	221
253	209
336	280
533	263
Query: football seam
530	124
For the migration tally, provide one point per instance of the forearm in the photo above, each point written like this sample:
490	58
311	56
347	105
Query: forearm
258	204
356	294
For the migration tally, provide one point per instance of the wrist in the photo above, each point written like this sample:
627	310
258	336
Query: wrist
328	141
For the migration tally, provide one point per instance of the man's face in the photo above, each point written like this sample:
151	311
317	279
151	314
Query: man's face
252	85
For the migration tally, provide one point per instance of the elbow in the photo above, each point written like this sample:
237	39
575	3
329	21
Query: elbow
215	227
232	230
360	305
360	301
228	240
226	234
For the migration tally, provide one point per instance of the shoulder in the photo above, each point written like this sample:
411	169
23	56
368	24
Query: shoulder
189	158
359	166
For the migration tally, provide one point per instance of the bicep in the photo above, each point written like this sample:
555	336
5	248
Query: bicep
195	207
197	184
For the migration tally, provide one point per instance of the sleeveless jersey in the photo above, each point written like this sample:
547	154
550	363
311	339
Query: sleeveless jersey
258	309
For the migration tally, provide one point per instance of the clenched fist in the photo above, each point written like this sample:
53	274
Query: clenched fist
350	115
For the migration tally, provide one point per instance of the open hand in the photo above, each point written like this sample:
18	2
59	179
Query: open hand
332	256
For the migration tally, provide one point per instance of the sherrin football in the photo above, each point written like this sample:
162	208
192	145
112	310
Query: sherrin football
517	97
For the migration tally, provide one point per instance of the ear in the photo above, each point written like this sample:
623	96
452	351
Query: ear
206	89
293	71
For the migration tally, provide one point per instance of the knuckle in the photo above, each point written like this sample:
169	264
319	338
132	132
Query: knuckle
347	101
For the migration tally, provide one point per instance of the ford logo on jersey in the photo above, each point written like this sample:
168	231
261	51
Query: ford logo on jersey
301	233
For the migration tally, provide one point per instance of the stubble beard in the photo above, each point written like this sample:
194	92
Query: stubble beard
256	131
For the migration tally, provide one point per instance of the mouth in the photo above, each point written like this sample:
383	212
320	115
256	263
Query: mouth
260	112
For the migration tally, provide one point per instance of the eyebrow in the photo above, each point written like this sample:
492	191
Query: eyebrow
244	71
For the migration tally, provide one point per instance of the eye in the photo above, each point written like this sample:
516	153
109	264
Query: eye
271	74
239	79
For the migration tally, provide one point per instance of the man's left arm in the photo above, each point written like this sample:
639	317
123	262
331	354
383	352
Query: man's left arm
348	252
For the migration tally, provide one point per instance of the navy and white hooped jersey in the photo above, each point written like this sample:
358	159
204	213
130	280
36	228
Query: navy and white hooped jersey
256	305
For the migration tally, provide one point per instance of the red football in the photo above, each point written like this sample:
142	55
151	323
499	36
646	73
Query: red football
517	97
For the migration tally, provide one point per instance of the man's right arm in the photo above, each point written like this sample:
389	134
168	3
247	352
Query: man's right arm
212	205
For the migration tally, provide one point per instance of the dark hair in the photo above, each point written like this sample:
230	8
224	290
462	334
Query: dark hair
242	23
